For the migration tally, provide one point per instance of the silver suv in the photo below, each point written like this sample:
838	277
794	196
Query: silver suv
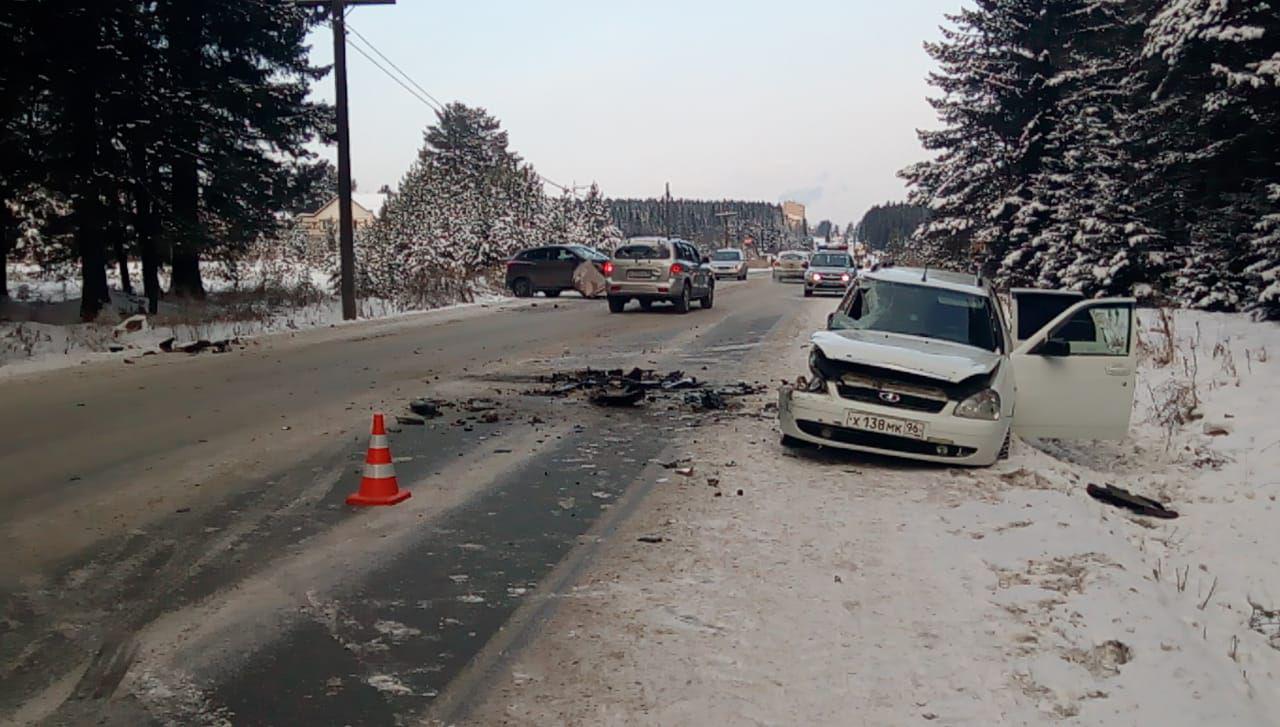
659	269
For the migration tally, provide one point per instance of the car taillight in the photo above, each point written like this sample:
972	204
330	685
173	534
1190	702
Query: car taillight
817	277
676	269
608	268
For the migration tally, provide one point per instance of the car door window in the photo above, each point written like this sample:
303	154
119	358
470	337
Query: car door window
565	255
539	255
1034	309
1100	331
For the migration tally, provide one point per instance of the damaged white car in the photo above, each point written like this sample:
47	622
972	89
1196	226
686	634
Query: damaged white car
921	364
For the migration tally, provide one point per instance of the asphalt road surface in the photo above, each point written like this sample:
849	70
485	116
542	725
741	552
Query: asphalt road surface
177	546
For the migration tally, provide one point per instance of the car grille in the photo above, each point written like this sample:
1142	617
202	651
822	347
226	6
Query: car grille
872	395
877	440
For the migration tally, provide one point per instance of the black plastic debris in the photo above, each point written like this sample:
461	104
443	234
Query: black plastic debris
1122	498
618	396
410	421
425	408
707	400
651	539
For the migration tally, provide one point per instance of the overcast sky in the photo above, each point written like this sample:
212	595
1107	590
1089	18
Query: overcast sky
813	100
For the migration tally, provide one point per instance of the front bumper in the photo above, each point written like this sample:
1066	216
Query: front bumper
819	418
785	274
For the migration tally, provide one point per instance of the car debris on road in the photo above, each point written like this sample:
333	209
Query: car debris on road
616	387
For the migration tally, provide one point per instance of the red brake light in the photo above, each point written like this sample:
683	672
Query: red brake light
676	268
608	268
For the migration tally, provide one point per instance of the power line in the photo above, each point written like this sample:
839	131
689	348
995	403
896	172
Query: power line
392	76
391	63
421	94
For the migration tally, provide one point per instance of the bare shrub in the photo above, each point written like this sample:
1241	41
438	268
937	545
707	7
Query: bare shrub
1266	622
1164	350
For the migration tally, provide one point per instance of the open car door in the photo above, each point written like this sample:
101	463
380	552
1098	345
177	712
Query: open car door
1034	307
1075	375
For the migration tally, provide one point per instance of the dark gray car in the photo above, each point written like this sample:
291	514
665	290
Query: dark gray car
829	272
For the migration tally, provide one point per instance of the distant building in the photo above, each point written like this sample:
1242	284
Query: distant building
365	208
793	214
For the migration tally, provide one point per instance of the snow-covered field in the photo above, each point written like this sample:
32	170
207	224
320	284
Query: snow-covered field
820	588
40	327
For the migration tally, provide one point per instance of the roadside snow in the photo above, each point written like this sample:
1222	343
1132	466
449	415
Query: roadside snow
850	590
40	328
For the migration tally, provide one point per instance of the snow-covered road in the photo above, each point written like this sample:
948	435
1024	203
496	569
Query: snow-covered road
819	588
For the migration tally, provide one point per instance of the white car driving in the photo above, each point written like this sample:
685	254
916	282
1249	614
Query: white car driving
921	364
729	263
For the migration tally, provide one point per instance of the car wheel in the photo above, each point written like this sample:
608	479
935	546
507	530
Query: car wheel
709	299
522	287
617	304
808	293
682	303
551	293
743	276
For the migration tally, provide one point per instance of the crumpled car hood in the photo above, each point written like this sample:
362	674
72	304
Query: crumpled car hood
953	362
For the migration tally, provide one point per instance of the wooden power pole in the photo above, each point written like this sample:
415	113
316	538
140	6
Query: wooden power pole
725	217
346	233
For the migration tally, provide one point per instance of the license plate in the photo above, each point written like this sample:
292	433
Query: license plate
639	275
885	425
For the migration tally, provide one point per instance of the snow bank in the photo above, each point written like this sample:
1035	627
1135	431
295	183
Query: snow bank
40	327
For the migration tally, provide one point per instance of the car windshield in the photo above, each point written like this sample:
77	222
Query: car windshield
919	310
828	260
792	256
726	255
647	251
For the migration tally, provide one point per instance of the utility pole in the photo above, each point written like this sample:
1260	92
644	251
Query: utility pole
724	217
346	234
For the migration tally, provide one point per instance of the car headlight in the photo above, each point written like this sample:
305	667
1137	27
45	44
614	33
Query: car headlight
983	405
817	382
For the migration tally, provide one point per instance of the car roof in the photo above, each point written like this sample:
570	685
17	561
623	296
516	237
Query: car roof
935	277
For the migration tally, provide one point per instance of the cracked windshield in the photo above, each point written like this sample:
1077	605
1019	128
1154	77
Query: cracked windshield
394	362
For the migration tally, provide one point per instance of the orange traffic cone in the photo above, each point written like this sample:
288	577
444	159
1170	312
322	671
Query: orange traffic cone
378	486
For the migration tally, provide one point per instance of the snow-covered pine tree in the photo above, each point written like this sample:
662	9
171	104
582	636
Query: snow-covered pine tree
465	205
1092	236
1214	86
996	107
596	216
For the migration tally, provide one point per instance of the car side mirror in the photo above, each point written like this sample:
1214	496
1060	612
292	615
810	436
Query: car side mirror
706	260
805	265
1053	347
830	318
